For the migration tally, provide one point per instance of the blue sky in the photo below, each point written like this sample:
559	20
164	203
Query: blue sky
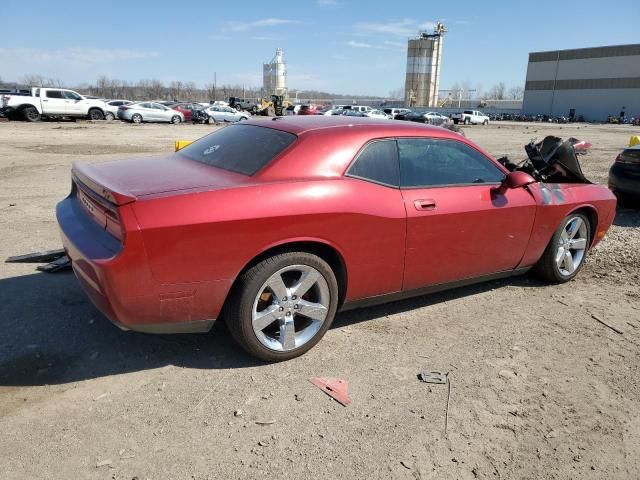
341	46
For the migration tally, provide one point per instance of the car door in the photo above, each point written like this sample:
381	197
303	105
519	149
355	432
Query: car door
147	112
457	227
75	103
54	102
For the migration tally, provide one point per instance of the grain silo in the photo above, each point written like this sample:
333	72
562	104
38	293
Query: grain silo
274	75
424	55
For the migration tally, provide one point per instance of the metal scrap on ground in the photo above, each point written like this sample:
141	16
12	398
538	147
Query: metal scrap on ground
37	257
336	388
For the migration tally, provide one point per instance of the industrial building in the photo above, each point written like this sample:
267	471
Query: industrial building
424	56
274	75
587	82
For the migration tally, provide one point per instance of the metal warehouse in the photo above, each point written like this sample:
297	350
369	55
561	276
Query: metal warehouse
589	82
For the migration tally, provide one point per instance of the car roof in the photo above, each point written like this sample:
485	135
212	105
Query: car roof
375	126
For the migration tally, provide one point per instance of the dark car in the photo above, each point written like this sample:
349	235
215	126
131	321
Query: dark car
624	174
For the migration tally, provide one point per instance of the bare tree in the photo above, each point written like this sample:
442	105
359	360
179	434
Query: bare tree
497	92
397	94
176	89
516	93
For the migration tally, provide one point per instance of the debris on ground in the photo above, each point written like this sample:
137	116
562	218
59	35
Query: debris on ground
55	266
103	463
615	329
37	257
265	422
433	376
336	388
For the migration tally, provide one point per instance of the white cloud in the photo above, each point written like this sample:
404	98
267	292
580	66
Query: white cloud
327	3
402	28
236	26
354	44
79	56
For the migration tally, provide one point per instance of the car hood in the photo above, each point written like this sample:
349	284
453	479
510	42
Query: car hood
146	176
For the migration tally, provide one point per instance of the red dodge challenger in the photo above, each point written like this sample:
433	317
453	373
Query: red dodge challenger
276	224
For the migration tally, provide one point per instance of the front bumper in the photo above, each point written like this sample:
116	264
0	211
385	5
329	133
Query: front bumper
625	179
118	281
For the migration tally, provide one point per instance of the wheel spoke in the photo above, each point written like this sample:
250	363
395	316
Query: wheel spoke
287	333
277	286
315	311
578	243
568	262
564	236
559	256
307	280
266	317
574	226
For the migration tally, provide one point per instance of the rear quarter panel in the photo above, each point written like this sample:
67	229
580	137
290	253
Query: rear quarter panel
207	238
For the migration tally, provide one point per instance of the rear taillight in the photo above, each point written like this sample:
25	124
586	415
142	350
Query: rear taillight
100	211
619	159
630	156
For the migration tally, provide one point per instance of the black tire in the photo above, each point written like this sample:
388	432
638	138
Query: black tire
31	114
96	114
547	268
211	121
239	307
467	121
176	120
136	118
486	122
109	117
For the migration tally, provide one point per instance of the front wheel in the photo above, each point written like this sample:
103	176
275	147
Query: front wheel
281	307
136	118
486	122
467	121
567	250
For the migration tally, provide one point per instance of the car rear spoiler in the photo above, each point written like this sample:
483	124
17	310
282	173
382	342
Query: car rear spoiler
86	174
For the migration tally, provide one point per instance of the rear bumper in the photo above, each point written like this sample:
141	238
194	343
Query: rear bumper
118	281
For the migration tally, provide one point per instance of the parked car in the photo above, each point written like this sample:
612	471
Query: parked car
139	112
243	104
186	108
292	110
473	117
51	102
286	222
624	174
307	110
111	110
377	114
430	118
352	113
226	114
358	108
395	111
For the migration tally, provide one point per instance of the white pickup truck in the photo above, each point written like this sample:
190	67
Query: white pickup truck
50	102
470	117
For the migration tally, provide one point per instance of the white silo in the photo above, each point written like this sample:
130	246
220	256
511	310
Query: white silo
274	75
424	55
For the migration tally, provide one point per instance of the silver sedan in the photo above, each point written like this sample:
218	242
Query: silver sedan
220	113
149	112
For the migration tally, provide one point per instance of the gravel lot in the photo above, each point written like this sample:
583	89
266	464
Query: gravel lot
539	389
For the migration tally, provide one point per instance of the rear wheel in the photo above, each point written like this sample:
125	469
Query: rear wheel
467	121
283	306
176	119
567	250
96	114
109	116
31	114
136	118
486	122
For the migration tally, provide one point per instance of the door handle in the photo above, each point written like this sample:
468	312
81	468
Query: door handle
425	204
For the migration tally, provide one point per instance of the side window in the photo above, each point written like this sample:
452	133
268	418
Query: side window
54	94
72	96
378	162
426	162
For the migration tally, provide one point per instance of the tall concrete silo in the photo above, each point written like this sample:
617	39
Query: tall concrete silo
274	75
424	55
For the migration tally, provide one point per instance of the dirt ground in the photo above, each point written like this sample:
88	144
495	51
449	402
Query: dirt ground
539	389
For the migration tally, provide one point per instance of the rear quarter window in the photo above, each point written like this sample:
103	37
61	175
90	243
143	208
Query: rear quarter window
243	149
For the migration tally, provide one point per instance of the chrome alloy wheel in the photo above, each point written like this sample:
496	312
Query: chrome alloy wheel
290	307
572	246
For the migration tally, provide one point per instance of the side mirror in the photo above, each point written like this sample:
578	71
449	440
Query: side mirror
514	180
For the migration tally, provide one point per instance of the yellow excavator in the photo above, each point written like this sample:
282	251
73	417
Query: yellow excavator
274	107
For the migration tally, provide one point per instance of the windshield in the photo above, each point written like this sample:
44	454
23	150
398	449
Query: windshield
241	149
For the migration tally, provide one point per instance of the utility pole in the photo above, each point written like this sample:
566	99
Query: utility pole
215	81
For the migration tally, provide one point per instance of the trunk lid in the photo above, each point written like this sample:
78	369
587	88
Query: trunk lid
123	181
